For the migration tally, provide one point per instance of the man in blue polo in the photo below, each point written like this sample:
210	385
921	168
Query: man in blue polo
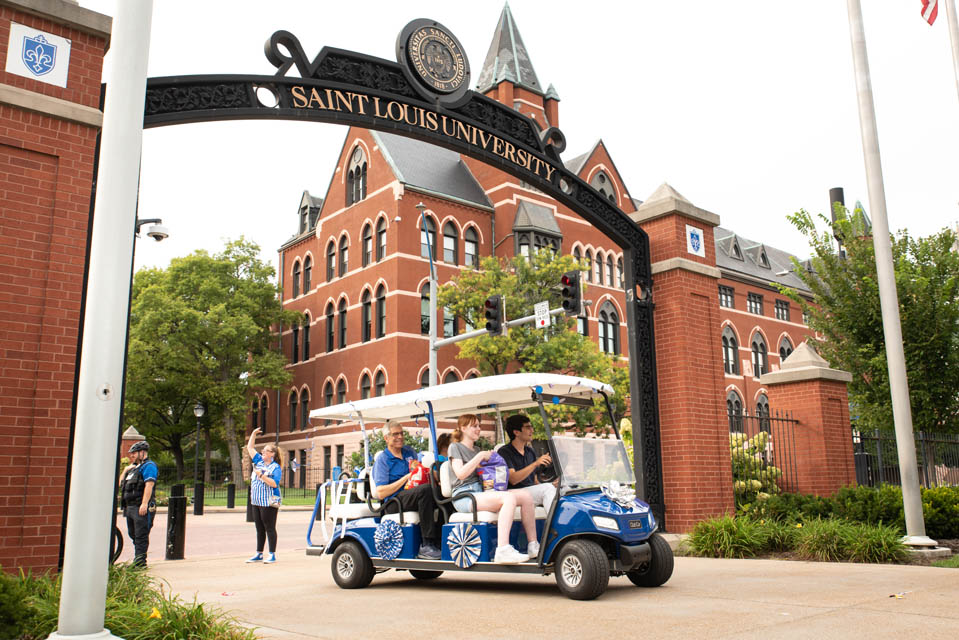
391	470
523	461
138	500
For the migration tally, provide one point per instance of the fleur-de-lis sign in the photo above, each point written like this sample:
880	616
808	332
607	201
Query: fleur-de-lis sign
38	58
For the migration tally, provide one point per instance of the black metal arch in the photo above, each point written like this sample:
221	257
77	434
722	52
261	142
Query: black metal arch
343	87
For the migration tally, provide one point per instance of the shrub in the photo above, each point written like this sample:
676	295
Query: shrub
780	536
14	616
870	505
726	537
790	508
940	508
876	543
825	540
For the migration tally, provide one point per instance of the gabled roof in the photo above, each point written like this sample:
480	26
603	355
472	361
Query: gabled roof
430	168
507	59
779	270
665	191
535	216
311	201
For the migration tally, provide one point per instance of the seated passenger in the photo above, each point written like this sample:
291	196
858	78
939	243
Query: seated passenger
523	463
391	470
465	459
443	446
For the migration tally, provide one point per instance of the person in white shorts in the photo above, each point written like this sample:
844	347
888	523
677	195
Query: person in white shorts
523	461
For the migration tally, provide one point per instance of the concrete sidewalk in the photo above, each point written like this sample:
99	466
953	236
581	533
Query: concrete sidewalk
297	599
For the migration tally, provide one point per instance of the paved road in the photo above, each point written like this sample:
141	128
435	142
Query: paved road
296	598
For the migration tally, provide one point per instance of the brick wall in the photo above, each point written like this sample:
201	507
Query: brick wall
46	170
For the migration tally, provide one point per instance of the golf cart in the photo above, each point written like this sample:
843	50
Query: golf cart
595	528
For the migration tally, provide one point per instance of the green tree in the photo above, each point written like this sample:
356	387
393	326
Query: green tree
846	313
558	348
203	330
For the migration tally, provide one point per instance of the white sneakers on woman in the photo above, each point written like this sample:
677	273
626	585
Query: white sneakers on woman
533	550
506	554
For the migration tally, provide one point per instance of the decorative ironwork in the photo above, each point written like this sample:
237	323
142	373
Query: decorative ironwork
184	99
494	115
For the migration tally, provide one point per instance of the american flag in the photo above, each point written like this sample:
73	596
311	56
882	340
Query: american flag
930	9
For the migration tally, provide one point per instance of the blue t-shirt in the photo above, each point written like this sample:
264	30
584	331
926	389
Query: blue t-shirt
259	490
148	471
387	468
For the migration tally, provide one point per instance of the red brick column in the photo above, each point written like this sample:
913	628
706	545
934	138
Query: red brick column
822	445
130	437
697	477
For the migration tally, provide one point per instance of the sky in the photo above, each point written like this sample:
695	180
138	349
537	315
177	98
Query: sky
747	109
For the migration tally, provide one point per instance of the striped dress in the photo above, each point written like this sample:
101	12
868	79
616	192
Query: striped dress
259	491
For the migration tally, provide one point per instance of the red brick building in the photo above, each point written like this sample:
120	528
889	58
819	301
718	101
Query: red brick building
49	120
357	267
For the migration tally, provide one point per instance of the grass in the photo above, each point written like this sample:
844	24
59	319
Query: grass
948	563
137	608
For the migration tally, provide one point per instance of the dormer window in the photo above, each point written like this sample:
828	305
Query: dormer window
735	252
602	183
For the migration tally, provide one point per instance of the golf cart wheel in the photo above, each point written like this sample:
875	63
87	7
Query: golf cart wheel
582	570
351	566
659	568
423	574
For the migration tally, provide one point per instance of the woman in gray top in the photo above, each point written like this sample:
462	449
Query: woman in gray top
464	459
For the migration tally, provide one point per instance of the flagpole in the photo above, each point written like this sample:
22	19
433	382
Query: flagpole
888	299
953	38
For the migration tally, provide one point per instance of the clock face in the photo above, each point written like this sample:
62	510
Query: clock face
436	57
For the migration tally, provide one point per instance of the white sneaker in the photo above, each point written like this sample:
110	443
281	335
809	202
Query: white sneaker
533	549
506	554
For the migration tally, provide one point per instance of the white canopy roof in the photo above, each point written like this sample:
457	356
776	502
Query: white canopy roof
478	395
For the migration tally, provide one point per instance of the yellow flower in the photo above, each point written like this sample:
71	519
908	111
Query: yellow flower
799	525
155	614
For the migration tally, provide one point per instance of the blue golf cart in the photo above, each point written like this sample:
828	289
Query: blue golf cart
595	528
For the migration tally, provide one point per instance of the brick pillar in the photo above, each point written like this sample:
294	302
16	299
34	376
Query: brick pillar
129	438
817	397
697	476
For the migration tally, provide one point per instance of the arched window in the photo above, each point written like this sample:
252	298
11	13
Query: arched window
619	270
577	256
264	405
380	239
293	414
524	245
785	348
350	185
472	376
602	183
344	254
306	337
589	266
328	394
582	325
730	352
762	412
760	360
450	244
450	377
342	313
330	331
380	311
367	245
367	316
380	384
296	345
734	412
365	386
609	271
599	268
356	177
425	378
307	274
608	329
305	409
254	413
449	323
341	392
471	248
425	309
330	261
428	238
296	278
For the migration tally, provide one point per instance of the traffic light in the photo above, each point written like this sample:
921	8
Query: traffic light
495	310
572	293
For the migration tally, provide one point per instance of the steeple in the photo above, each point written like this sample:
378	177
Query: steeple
508	59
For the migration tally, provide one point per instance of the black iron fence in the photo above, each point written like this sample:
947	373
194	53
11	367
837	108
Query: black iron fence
877	458
762	450
301	483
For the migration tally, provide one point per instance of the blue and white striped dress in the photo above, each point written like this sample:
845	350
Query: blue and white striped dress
259	490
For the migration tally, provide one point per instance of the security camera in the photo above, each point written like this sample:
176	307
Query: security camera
158	232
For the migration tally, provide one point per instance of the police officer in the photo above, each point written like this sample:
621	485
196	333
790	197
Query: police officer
138	500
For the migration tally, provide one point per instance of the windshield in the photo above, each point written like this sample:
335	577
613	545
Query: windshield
592	461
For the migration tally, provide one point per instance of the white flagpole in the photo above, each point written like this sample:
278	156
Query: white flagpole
953	37
889	300
85	563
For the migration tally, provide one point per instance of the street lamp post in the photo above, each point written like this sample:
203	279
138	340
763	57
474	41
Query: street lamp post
198	411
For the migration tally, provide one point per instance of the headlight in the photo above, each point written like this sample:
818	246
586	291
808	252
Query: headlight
604	522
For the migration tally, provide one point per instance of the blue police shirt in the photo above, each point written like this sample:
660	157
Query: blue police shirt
148	471
388	468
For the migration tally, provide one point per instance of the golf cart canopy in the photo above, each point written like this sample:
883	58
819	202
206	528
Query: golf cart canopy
506	392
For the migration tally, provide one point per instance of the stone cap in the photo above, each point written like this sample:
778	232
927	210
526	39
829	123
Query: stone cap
805	364
67	13
664	201
132	434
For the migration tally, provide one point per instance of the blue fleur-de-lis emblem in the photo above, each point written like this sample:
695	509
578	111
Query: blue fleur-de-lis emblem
39	56
695	241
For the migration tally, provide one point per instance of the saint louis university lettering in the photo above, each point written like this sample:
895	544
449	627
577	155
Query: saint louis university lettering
37	54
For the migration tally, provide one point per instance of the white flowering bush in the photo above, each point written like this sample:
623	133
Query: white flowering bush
754	478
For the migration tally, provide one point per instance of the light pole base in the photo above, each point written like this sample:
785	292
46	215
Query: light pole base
101	635
919	541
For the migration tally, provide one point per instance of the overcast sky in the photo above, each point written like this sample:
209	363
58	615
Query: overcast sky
748	109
